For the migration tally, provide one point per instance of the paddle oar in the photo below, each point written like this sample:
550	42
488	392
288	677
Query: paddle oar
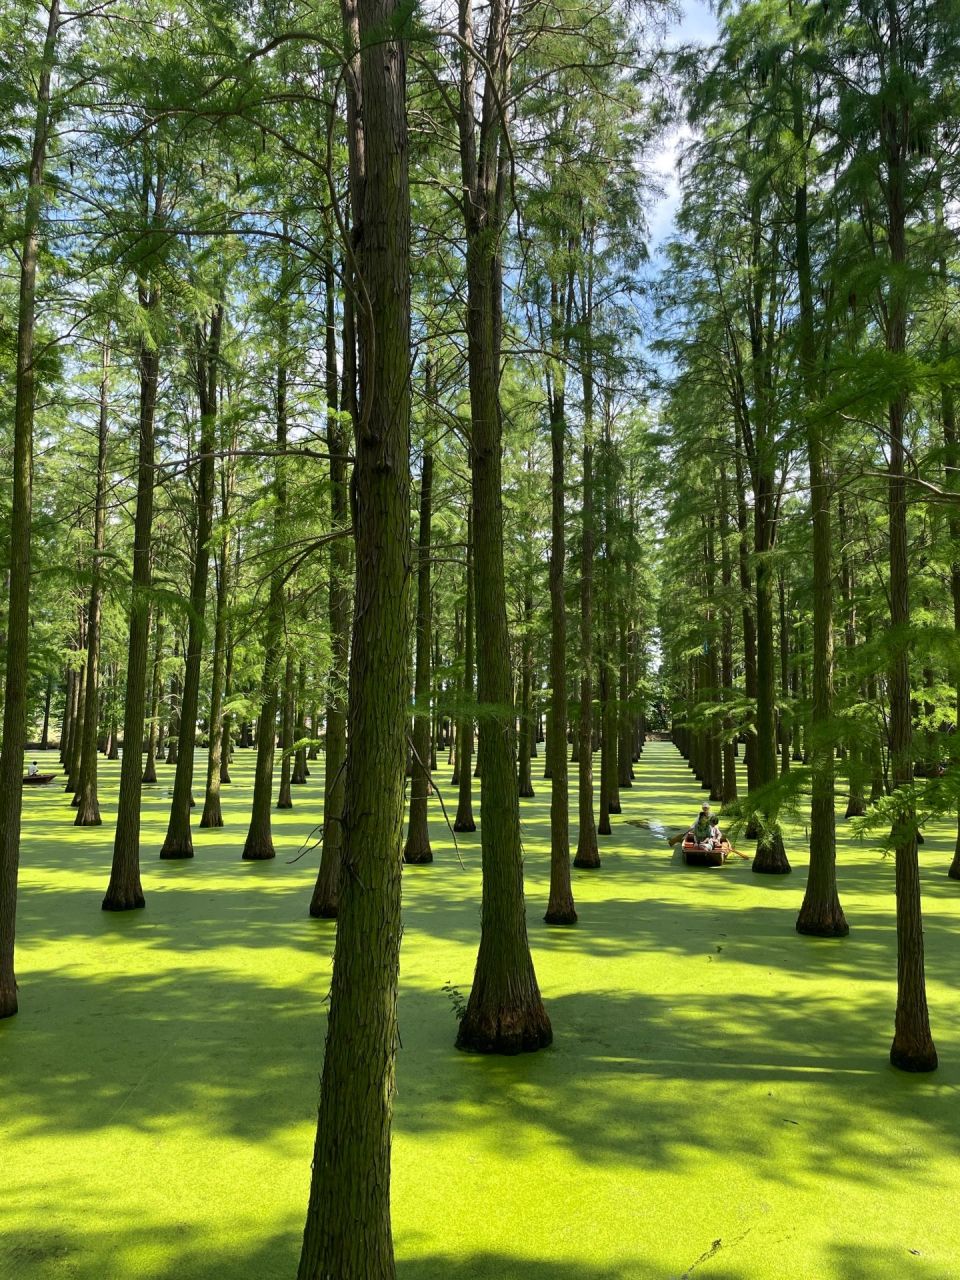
672	840
745	856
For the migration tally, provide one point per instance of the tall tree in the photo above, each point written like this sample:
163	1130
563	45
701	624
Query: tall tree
18	611
348	1232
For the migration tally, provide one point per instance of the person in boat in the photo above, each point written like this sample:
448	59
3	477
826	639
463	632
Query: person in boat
32	771
705	831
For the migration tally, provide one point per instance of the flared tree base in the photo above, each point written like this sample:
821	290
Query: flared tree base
285	804
822	921
149	777
915	1058
176	852
604	828
417	856
464	824
856	808
616	807
587	861
455	779
211	817
954	871
771	859
527	792
123	900
505	1031
257	852
8	999
323	910
560	915
88	817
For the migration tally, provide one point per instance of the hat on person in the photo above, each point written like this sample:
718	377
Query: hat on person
704	808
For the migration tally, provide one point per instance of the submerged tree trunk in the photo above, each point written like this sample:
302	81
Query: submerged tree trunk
464	820
913	1048
18	611
88	807
124	891
588	851
212	815
285	796
258	846
560	906
153	733
524	773
323	903
179	840
504	1012
417	848
348	1233
300	772
820	913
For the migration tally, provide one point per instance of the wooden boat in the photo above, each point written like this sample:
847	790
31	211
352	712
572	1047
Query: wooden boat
38	779
697	855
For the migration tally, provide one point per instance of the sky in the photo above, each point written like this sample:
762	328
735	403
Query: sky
698	25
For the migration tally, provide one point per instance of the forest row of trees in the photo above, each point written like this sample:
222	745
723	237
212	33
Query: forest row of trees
330	429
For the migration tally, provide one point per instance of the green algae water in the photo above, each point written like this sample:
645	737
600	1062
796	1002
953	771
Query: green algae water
717	1102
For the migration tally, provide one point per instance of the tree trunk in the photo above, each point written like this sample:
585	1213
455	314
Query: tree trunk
124	891
258	846
323	903
588	852
153	734
913	1048
524	773
504	1012
347	1233
820	913
560	907
417	848
179	840
212	815
18	613
88	807
47	697
284	795
771	856
300	771
464	820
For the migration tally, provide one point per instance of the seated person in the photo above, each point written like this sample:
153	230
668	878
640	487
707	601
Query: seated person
32	771
705	830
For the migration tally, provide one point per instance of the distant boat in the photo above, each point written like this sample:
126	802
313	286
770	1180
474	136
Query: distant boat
37	779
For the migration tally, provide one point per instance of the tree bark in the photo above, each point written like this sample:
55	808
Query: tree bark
179	839
284	795
560	906
258	846
88	807
212	815
153	733
124	891
18	613
323	903
464	820
820	913
504	1012
913	1048
417	848
347	1233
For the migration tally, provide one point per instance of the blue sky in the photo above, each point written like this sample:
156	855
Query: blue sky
698	25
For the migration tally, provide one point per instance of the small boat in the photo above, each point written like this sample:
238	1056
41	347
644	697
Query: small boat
698	855
37	779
